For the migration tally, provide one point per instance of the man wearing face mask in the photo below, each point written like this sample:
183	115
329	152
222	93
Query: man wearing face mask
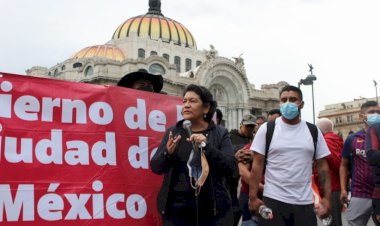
142	80
354	157
373	155
288	167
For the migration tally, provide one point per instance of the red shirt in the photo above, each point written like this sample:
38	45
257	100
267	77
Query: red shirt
335	145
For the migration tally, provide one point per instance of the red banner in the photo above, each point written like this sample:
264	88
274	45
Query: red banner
75	153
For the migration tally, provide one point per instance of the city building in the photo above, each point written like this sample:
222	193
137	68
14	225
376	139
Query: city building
162	45
345	116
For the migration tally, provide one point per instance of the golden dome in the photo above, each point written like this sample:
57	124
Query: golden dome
102	51
156	26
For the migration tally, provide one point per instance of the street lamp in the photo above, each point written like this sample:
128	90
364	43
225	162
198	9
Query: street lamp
375	84
309	80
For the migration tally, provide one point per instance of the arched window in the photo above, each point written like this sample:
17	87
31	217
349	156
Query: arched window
177	62
56	72
166	56
141	53
77	64
63	67
89	71
198	63
157	69
153	53
188	64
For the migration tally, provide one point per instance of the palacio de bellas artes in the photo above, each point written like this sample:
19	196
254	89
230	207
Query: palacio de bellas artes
159	44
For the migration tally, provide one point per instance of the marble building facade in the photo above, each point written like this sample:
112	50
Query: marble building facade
161	45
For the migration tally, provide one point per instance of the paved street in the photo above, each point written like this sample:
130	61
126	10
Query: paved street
370	223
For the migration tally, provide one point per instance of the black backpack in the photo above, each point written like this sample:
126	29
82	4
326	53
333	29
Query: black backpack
270	129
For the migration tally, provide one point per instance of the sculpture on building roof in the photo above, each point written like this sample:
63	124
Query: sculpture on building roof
155	7
239	60
211	54
311	68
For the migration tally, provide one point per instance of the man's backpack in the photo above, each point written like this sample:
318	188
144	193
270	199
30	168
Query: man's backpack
270	129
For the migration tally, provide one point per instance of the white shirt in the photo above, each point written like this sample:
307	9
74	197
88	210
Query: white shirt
289	161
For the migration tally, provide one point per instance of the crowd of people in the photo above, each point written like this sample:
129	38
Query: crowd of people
216	177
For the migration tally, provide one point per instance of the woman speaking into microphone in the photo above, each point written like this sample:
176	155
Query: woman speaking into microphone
196	157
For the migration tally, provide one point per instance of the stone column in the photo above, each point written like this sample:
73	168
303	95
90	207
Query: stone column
234	119
240	115
229	120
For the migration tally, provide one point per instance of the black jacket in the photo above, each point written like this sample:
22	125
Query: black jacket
238	141
221	160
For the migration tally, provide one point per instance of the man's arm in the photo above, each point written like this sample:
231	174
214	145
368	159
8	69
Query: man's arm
343	177
254	181
325	180
244	172
324	177
343	169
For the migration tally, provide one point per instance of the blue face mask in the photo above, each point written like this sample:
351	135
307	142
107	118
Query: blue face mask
289	110
373	118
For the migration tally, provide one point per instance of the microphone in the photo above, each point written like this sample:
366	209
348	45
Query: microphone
187	126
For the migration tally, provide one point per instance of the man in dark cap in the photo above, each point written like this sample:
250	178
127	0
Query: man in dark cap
142	80
239	139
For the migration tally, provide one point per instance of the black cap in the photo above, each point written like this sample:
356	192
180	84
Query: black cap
129	79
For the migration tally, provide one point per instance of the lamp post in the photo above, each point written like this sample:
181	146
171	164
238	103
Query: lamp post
309	80
375	84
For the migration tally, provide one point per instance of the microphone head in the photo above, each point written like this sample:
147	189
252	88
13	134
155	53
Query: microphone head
186	124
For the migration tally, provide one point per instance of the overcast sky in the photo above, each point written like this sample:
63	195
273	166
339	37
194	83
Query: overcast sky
278	38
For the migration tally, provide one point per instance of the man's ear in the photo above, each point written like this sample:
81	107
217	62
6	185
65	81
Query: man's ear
361	117
301	105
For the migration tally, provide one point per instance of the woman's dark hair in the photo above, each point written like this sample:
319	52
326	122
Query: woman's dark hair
206	98
219	116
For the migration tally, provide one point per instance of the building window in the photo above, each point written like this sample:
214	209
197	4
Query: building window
188	64
141	53
63	67
198	63
77	64
177	62
157	69
89	71
166	56
153	53
256	111
56	72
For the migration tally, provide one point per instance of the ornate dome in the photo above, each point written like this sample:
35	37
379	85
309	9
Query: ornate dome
156	26
103	51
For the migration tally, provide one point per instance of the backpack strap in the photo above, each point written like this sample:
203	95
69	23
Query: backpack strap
314	133
268	138
270	129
